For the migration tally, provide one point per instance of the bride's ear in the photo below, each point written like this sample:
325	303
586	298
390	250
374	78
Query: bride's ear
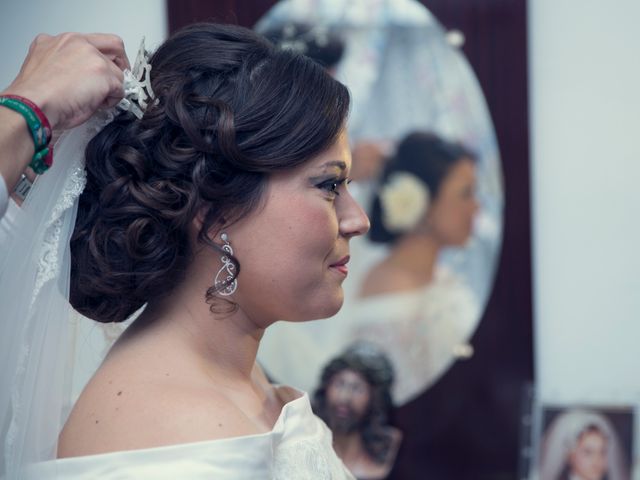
199	220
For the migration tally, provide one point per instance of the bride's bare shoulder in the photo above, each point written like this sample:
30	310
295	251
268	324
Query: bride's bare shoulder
125	410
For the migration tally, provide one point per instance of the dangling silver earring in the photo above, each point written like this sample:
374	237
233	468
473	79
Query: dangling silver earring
226	270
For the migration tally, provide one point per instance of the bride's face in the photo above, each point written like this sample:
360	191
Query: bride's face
294	248
454	208
588	459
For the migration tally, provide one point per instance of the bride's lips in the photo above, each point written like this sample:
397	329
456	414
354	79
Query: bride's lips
341	265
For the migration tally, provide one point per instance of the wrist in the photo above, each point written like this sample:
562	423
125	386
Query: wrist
16	146
39	127
40	99
17	129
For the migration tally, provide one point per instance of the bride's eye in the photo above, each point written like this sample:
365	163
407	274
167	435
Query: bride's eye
332	185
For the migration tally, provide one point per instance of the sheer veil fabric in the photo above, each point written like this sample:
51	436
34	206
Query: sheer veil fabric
36	327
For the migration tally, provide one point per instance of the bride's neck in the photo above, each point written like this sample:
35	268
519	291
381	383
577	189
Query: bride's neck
416	252
222	343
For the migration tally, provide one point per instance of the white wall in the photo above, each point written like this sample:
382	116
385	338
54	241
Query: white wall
21	21
585	137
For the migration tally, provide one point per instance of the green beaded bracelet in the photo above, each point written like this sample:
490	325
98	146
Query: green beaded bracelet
41	160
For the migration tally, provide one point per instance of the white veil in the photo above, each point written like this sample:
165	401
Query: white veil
36	325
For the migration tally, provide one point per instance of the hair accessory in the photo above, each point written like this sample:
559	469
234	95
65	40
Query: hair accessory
404	199
137	85
23	187
38	126
226	270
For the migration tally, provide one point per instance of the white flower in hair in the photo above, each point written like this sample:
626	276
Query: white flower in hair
404	199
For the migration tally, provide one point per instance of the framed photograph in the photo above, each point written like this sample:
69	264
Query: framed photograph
583	442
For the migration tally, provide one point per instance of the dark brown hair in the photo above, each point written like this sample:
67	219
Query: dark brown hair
428	157
231	110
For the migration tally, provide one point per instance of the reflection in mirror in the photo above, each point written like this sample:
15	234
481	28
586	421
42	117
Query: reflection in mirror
426	168
417	309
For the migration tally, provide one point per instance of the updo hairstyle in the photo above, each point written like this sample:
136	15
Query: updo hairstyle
429	158
231	110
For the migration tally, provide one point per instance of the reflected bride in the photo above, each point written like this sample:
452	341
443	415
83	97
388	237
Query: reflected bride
420	312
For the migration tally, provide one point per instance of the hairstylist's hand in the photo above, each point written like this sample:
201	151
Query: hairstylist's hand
71	75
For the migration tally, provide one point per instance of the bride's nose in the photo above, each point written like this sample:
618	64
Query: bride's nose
353	220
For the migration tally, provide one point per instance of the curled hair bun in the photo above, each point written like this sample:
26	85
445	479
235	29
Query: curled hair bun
231	110
130	228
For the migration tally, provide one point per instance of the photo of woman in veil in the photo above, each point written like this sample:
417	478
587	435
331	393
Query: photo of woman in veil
583	444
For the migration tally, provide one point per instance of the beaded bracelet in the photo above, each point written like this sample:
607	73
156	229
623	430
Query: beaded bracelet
38	126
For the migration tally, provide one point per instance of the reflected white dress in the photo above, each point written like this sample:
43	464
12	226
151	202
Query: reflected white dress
422	331
298	447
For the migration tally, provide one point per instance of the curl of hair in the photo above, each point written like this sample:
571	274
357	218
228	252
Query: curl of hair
232	109
374	366
428	157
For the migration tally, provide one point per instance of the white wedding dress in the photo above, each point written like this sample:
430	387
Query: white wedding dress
298	447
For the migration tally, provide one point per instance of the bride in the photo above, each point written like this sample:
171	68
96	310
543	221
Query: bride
220	208
419	312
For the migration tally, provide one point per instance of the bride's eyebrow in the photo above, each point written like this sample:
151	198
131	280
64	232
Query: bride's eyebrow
335	163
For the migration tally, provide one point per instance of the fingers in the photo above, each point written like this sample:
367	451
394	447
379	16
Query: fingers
116	88
39	40
117	79
70	75
111	46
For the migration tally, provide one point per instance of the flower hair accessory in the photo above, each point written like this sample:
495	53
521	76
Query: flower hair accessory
404	199
137	85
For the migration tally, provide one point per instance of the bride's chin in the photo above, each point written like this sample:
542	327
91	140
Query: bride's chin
329	309
326	310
